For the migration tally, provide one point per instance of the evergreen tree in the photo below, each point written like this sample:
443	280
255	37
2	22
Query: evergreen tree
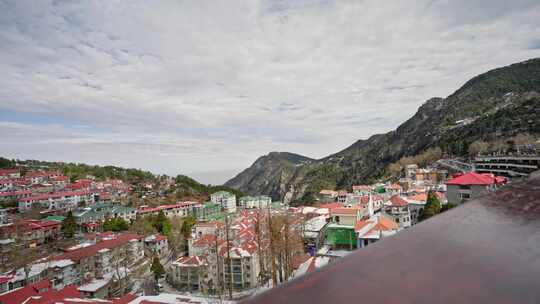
69	226
187	224
157	268
115	224
432	207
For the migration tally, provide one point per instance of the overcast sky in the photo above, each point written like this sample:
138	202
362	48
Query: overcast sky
208	86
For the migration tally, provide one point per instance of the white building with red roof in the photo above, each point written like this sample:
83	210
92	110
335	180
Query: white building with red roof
63	200
9	173
373	229
398	208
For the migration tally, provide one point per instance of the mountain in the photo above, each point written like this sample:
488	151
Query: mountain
498	103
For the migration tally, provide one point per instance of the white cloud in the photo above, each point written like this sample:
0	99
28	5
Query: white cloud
187	86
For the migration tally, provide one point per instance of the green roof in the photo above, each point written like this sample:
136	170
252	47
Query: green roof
55	218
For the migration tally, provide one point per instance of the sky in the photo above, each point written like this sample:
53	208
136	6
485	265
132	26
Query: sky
204	87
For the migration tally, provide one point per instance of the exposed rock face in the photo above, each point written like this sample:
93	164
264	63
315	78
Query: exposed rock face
500	102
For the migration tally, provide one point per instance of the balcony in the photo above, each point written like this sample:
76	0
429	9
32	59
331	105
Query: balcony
484	251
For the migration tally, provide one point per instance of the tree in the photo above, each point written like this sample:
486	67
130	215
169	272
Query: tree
395	169
187	225
478	147
69	226
432	207
115	224
157	268
176	239
143	225
162	223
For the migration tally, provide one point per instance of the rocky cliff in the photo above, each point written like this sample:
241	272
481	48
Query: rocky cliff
500	102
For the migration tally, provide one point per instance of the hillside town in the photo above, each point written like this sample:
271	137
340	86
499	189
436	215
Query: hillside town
82	240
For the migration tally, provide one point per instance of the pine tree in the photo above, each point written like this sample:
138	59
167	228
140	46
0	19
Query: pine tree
69	226
433	206
157	268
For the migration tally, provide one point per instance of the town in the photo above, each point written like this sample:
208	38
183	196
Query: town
63	239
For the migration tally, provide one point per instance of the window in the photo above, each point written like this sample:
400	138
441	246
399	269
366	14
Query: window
465	195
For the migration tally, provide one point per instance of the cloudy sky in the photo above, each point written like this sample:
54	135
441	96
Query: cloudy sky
205	87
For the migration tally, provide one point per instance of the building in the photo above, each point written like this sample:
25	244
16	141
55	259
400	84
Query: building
244	265
226	199
417	202
471	185
42	292
314	233
178	209
346	216
64	200
100	266
158	245
373	229
4	218
328	195
9	174
251	202
361	190
101	211
508	165
14	195
31	233
189	273
340	232
398	209
393	189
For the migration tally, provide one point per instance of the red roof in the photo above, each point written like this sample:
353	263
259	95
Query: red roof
54	195
190	261
331	205
84	252
205	240
473	178
344	210
39	293
8	171
397	201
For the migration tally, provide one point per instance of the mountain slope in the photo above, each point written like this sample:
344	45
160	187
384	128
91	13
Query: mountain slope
497	103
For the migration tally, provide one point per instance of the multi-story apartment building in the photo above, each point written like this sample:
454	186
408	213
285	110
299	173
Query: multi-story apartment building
157	244
178	209
226	199
9	173
189	273
100	266
251	202
31	233
101	211
398	209
64	200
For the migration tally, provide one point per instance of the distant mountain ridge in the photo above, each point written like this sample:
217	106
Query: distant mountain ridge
500	102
